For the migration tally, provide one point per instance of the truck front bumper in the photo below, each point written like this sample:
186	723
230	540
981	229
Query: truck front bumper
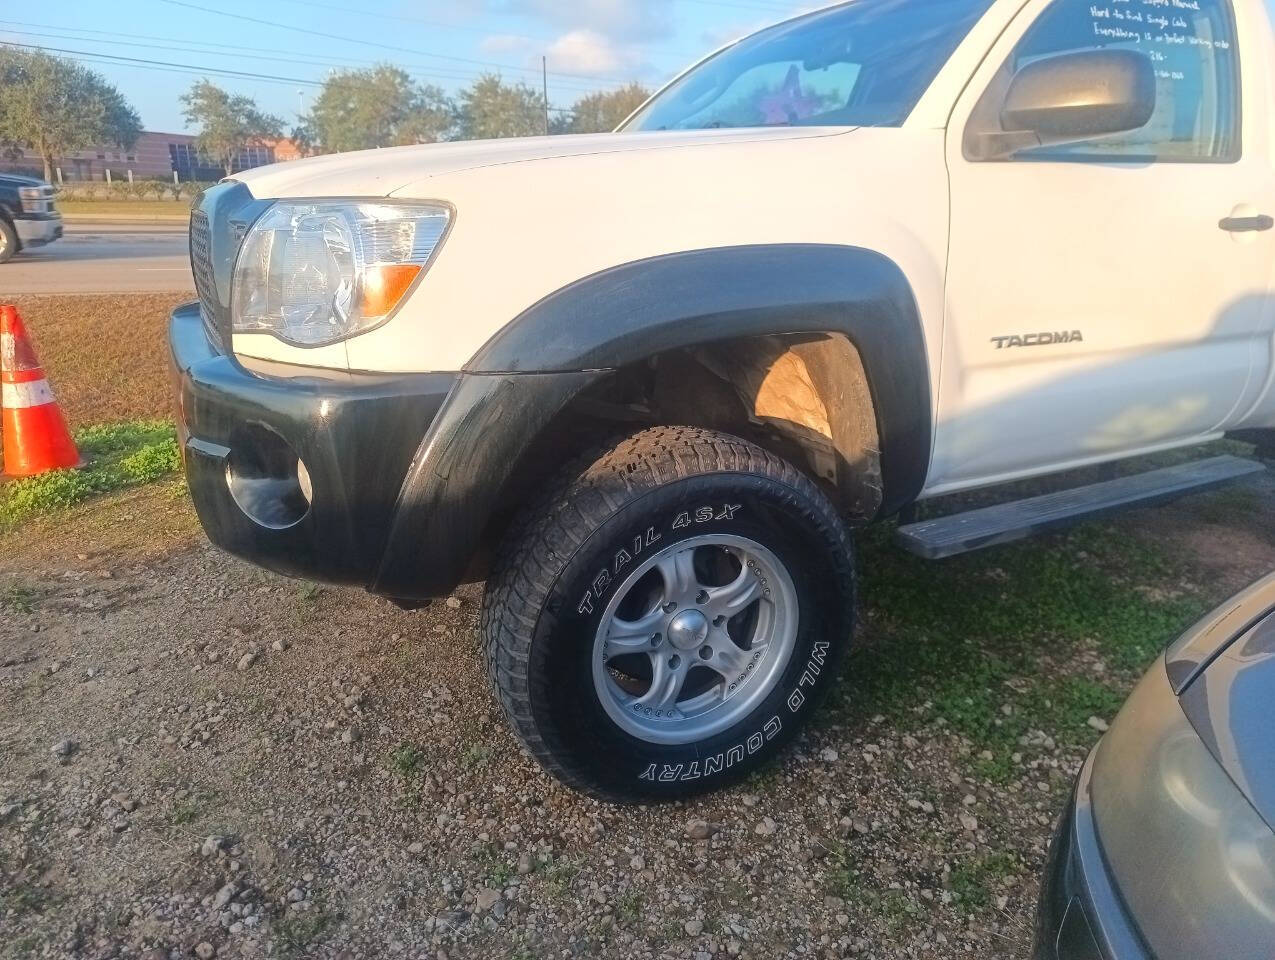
38	230
296	470
389	482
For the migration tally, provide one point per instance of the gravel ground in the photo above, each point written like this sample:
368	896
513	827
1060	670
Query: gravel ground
198	758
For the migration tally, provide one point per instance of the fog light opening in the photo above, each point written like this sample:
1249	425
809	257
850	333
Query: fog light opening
266	479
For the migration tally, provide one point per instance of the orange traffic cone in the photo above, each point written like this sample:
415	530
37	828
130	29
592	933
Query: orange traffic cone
35	435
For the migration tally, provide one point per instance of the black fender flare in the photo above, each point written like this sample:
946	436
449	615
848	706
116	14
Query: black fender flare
529	370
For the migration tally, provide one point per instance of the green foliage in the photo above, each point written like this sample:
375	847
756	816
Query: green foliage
558	878
491	108
19	899
227	123
474	756
383	106
378	107
19	598
629	907
93	191
118	455
58	106
974	881
603	112
496	869
406	759
297	931
185	811
964	639
152	461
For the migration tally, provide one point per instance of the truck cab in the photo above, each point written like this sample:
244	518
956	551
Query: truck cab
648	384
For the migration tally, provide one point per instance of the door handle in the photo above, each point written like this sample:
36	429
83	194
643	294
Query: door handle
1254	224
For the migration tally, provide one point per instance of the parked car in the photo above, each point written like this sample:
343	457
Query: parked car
646	383
1167	849
28	215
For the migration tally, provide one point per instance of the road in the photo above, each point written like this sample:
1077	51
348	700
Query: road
103	258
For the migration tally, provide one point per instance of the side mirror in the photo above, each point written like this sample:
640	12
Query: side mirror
1071	98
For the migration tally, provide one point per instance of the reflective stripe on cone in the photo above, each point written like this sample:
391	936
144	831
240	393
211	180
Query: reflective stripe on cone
15	395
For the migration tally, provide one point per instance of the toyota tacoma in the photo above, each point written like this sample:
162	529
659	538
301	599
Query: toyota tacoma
646	384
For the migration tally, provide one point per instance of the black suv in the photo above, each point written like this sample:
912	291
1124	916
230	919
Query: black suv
28	217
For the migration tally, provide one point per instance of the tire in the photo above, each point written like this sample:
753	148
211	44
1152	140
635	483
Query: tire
8	241
645	708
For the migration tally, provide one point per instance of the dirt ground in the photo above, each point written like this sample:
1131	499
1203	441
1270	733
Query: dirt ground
198	758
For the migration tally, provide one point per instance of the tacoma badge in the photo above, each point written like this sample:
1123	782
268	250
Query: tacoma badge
1038	339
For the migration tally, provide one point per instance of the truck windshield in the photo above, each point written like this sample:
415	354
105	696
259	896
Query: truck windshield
864	63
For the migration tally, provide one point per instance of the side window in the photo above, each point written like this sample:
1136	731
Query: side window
1193	48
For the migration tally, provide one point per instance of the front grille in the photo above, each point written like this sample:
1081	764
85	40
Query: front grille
201	265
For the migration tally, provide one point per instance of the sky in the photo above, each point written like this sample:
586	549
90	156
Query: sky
279	51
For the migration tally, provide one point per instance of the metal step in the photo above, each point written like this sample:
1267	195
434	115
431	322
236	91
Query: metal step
1007	522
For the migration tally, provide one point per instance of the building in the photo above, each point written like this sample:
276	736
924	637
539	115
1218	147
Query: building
155	156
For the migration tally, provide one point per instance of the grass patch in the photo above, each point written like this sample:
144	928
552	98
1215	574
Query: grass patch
971	636
185	812
558	878
1230	505
118	455
843	875
298	930
18	598
497	871
974	881
474	756
894	907
106	354
25	898
406	759
629	907
132	209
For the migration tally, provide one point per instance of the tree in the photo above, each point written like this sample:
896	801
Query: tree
378	107
227	123
57	107
492	108
603	112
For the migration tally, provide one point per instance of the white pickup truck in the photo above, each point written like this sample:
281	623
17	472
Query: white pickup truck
647	383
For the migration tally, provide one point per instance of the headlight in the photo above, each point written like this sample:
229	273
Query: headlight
316	272
33	199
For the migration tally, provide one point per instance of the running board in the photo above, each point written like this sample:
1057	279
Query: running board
1007	522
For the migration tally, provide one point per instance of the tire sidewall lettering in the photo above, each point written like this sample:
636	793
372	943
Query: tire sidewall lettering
775	720
644	542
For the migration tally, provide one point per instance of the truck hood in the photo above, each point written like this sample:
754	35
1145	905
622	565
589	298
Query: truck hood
17	180
378	173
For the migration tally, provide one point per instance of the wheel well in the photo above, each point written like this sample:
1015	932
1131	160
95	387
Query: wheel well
805	397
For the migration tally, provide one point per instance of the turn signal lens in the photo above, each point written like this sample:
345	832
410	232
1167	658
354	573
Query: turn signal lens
384	286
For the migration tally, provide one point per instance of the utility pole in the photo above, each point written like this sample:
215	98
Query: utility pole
544	74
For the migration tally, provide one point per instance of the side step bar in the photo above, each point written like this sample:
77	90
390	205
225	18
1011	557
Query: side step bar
1007	522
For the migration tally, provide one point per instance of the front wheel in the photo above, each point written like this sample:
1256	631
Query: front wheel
8	241
668	617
